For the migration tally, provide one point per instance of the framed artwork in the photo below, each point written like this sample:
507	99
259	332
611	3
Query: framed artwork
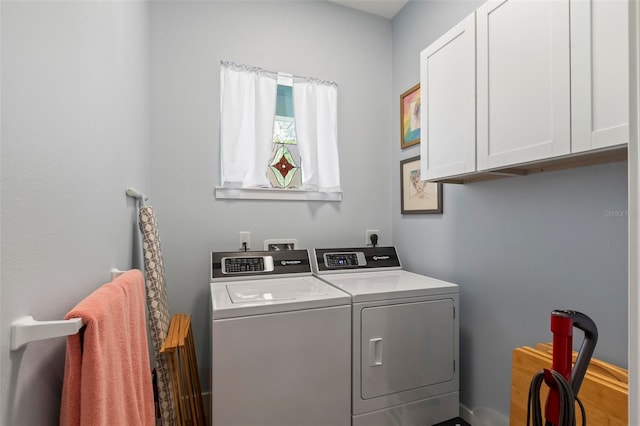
418	196
410	117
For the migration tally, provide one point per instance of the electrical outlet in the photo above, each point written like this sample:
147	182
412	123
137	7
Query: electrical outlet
281	244
367	236
244	240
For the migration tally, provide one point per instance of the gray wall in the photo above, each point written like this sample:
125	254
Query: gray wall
518	247
318	39
77	129
75	134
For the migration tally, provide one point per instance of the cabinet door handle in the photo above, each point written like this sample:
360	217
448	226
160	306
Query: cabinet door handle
375	352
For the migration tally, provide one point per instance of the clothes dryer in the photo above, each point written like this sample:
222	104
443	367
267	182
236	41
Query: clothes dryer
280	342
405	368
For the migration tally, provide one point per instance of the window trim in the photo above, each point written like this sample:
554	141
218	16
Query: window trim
278	194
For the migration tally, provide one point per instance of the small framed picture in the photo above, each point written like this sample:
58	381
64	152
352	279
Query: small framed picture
416	195
410	117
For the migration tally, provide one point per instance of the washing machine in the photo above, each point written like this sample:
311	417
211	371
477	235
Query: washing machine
280	342
405	368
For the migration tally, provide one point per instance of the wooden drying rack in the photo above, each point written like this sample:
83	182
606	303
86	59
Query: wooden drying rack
179	350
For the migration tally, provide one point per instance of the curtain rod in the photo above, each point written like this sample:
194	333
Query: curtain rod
259	69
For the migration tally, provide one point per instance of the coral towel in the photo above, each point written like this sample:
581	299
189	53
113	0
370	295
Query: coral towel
107	377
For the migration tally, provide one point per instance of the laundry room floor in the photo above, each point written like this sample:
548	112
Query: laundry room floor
454	422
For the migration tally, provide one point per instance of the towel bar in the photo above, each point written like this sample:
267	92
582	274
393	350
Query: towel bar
115	273
26	329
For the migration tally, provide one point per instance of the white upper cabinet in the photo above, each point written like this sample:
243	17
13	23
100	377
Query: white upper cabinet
526	82
448	116
523	81
599	74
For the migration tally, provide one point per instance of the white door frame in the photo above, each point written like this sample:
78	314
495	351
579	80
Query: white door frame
633	210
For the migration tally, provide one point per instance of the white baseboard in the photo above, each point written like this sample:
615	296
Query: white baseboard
482	416
466	414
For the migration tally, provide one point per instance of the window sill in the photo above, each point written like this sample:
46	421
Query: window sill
274	194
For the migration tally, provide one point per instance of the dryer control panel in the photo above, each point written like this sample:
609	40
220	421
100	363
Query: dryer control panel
344	259
355	259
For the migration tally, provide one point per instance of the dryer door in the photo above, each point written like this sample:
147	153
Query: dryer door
406	346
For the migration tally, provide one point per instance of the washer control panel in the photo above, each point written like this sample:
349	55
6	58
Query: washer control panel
344	260
234	265
244	265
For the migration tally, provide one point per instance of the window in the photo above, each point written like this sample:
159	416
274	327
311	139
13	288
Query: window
284	167
277	131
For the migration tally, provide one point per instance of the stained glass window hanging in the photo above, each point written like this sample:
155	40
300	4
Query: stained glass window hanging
284	169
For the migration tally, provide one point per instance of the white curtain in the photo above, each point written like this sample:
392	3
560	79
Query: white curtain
247	110
315	105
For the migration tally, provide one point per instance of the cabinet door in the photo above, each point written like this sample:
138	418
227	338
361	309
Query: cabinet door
448	117
599	74
523	81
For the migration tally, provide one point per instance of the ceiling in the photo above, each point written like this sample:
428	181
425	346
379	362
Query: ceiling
385	8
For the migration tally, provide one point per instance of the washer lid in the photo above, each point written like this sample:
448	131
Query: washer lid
385	285
256	291
254	297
